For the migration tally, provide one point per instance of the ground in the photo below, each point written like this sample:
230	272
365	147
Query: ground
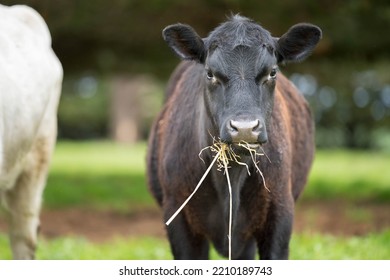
328	217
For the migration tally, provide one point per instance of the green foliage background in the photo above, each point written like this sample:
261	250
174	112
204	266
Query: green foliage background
108	38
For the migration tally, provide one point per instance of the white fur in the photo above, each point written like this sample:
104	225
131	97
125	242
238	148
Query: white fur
30	86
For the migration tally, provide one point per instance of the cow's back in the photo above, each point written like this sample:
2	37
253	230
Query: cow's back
30	85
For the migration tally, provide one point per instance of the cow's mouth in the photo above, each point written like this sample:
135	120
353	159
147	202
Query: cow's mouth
253	145
245	149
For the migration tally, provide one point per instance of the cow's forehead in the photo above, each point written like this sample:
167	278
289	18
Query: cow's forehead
239	31
251	59
240	42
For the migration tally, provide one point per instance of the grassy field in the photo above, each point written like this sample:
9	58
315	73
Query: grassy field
350	175
98	174
306	246
103	175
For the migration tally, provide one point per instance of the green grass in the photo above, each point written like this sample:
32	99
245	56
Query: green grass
77	248
350	175
304	246
97	174
374	246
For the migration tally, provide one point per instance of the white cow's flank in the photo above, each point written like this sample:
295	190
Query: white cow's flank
30	86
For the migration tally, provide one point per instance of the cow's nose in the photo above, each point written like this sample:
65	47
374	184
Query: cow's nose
245	130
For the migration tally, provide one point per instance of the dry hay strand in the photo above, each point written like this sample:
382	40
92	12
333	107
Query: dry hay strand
226	154
223	155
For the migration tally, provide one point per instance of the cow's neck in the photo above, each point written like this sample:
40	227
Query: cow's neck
238	176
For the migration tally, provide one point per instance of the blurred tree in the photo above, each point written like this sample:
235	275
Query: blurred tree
126	34
83	110
108	38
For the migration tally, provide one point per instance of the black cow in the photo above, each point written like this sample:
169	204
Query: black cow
229	87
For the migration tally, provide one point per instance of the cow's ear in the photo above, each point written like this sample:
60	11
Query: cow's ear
297	43
185	42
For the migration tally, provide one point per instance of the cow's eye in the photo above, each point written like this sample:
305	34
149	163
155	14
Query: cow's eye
209	75
273	72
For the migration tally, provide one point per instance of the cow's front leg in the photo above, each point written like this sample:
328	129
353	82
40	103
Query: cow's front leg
274	239
185	244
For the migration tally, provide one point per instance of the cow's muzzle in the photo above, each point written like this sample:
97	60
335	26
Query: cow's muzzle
252	132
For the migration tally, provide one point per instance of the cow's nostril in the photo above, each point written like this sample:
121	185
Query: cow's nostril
256	128
234	126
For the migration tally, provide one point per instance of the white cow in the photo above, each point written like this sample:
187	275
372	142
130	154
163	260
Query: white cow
30	86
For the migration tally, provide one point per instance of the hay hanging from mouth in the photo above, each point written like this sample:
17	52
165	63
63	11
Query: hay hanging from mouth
224	154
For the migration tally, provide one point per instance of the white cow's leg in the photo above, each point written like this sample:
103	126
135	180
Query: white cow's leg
23	203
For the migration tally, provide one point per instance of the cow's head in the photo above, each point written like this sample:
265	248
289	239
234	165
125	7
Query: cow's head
240	61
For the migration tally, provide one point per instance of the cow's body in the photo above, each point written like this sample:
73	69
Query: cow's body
30	86
261	218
